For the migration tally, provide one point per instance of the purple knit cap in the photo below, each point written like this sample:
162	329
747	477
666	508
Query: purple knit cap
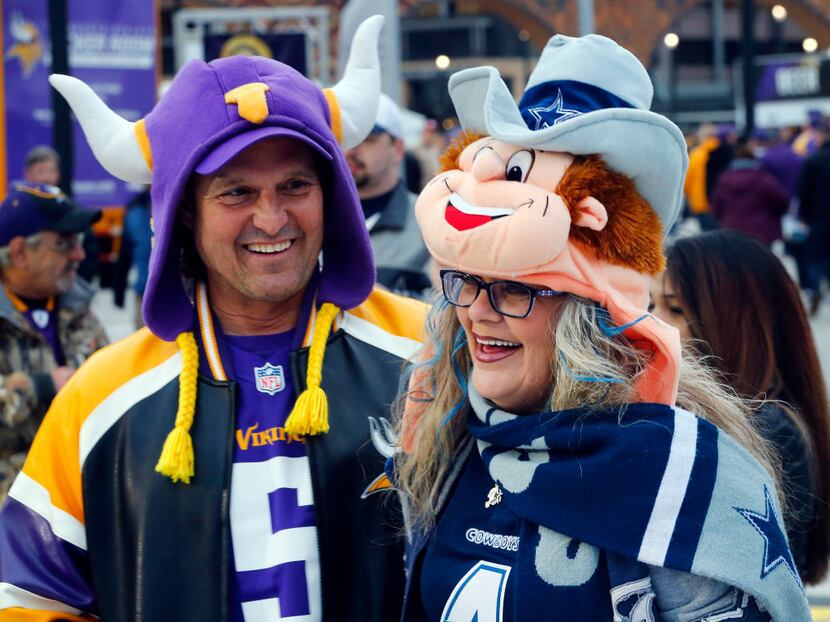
192	127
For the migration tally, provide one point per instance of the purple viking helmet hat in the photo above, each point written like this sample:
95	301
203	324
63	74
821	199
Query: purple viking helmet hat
212	112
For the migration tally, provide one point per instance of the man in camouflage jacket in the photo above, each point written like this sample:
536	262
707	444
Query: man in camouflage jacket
39	252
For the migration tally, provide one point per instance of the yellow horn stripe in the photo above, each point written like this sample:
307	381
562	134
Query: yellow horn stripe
334	113
143	142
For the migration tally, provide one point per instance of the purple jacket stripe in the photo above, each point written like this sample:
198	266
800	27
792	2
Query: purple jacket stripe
35	559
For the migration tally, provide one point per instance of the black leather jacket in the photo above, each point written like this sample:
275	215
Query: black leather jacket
159	551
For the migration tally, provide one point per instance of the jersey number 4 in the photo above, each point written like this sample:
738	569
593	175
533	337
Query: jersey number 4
479	596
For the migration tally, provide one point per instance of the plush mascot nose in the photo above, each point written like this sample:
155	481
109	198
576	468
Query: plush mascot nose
488	165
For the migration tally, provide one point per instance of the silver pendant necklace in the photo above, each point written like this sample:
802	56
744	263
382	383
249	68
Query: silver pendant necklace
494	496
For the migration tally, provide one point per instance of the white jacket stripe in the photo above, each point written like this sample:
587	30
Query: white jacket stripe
35	497
108	412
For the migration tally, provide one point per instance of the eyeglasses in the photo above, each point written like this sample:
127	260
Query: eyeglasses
64	244
507	297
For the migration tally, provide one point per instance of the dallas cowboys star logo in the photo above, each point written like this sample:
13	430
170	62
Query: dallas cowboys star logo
776	550
555	113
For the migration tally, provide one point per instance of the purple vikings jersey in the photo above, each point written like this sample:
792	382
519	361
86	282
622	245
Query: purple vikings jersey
467	565
275	550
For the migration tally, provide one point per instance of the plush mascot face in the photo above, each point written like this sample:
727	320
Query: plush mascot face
501	199
507	211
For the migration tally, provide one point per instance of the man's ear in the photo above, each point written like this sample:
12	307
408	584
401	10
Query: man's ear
17	252
591	213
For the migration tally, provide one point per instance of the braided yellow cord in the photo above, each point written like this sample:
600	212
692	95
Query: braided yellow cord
176	460
311	412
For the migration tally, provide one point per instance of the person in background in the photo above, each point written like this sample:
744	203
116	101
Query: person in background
695	187
136	244
42	165
400	255
429	151
808	138
46	327
216	464
779	159
748	198
814	210
734	302
783	163
720	158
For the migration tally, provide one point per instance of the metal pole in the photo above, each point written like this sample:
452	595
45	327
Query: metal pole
718	44
586	17
748	62
61	120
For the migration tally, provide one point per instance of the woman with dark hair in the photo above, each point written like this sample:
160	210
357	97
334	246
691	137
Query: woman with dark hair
735	302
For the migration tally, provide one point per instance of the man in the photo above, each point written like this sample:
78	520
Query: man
695	187
42	166
813	188
244	512
399	250
46	327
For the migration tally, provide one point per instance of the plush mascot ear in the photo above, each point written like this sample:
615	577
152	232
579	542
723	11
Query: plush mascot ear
591	214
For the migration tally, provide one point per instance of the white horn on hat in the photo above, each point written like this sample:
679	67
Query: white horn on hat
112	138
358	91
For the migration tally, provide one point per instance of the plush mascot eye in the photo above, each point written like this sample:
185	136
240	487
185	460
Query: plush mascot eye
519	165
482	150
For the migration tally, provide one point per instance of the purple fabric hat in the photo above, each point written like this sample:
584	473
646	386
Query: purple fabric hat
192	127
212	112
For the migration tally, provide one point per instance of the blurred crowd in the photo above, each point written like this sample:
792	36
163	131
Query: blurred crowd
771	185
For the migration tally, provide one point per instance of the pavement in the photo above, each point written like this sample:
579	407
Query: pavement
119	323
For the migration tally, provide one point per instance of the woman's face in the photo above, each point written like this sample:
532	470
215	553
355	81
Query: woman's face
511	357
667	306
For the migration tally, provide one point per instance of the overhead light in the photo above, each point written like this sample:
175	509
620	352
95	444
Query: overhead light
671	40
442	61
809	44
524	35
779	13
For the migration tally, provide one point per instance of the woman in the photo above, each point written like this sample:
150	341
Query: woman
545	469
759	340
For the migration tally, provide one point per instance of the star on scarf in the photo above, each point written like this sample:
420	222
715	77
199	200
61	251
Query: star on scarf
776	551
557	108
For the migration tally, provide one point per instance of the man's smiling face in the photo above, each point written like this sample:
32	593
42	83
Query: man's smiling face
500	207
259	222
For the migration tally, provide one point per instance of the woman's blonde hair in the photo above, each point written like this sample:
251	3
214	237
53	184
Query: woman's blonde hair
592	365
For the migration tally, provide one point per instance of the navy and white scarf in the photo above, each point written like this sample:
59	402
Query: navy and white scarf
603	494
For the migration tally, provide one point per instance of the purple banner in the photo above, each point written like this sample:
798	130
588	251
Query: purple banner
808	77
112	49
26	62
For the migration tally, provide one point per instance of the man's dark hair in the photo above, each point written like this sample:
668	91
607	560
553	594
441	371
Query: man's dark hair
41	153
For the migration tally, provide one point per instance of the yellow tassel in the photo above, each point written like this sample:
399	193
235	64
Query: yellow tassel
310	415
176	460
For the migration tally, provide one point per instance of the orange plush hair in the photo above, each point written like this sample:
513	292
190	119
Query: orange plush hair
633	236
449	159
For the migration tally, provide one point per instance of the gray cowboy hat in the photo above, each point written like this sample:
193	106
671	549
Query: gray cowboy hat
587	95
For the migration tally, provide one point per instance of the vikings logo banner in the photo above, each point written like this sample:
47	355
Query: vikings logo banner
112	45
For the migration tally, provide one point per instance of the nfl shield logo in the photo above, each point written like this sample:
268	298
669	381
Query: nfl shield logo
269	379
